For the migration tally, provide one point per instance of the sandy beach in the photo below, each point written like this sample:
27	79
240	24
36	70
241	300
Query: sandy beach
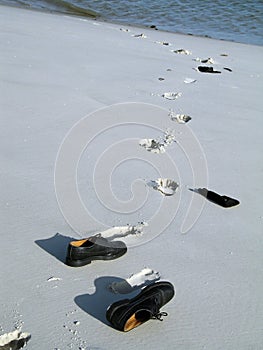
80	100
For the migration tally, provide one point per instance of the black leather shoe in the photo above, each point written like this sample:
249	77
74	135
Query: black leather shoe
223	201
127	314
83	251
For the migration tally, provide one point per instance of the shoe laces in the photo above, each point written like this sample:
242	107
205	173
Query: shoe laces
158	316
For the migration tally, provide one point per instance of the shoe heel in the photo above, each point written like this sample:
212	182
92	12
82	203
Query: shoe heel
77	263
114	307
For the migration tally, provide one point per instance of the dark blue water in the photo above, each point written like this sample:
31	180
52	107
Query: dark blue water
240	21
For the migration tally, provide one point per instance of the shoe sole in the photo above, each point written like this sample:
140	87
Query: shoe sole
83	262
124	302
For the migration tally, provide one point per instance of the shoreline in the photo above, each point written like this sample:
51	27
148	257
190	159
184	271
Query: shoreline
100	18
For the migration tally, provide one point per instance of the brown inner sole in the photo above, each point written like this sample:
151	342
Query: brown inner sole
131	323
78	243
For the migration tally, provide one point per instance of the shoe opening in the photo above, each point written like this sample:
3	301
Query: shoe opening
143	315
137	319
82	243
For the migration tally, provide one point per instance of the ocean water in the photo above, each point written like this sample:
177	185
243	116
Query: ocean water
240	21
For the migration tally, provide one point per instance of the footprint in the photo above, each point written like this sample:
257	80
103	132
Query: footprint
158	146
143	36
189	81
152	145
52	278
171	95
168	137
14	340
125	30
163	43
182	52
180	118
207	60
72	330
167	187
134	281
123	231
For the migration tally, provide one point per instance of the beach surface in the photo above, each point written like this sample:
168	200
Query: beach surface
78	96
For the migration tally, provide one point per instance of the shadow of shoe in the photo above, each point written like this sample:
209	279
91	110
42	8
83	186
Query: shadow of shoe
223	201
121	287
96	304
136	281
56	245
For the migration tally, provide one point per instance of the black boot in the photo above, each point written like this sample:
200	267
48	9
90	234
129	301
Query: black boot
83	251
127	314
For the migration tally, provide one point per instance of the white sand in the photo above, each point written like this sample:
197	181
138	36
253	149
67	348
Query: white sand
56	70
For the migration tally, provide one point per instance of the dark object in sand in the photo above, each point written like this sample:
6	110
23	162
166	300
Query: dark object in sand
84	251
229	69
205	69
161	79
153	27
223	201
126	314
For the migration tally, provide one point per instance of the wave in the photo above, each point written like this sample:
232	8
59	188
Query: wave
71	8
61	6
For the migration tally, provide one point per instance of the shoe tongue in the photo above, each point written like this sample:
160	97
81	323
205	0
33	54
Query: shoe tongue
152	305
98	239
